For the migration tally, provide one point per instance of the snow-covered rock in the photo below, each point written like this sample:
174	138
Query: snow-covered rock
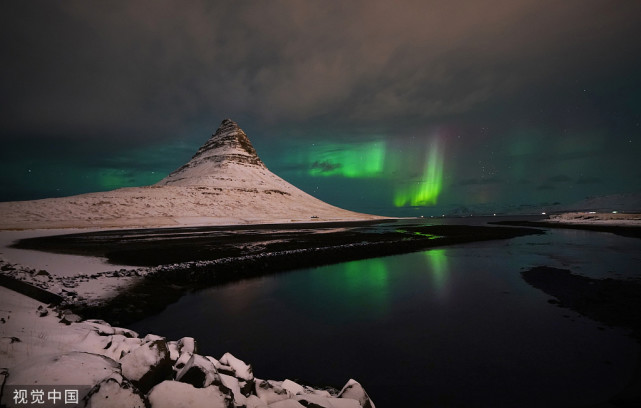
354	390
175	394
271	391
115	391
147	365
288	403
238	367
293	387
199	372
117	370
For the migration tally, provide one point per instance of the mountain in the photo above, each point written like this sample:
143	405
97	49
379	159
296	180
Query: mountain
224	183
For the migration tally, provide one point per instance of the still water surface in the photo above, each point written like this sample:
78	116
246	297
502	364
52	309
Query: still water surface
453	326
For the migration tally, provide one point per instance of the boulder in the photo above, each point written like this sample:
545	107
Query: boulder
147	365
293	387
354	390
175	394
288	403
115	391
199	372
237	367
270	391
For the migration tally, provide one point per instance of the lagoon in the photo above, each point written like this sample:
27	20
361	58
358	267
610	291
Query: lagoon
450	326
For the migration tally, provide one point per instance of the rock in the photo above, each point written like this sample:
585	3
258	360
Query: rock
254	402
293	387
115	391
354	390
238	367
174	353
42	312
314	401
270	391
288	403
199	372
343	403
147	365
175	394
232	384
67	317
117	346
187	345
184	348
153	337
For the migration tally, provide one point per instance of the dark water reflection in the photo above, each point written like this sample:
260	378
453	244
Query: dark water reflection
453	326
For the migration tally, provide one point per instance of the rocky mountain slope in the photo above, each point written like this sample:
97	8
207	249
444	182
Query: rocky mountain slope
224	183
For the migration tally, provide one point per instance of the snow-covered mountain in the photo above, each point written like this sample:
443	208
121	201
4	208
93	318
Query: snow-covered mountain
225	182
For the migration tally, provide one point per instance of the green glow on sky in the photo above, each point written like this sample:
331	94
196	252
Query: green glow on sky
359	160
426	190
437	260
111	179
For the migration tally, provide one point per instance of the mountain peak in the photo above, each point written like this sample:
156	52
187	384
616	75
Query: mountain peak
228	146
229	142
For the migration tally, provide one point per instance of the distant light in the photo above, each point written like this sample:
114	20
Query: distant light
592	212
495	214
614	212
543	213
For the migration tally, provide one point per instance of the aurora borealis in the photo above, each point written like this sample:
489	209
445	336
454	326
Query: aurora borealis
396	108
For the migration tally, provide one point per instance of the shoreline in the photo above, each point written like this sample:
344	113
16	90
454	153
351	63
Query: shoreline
631	231
162	269
173	281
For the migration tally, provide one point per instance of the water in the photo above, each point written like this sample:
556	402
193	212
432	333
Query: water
453	326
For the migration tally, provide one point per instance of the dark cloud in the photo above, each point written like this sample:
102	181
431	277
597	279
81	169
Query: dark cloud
480	181
559	178
526	89
325	166
145	67
589	180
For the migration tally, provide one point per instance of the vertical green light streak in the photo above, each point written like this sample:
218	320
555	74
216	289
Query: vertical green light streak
425	191
437	260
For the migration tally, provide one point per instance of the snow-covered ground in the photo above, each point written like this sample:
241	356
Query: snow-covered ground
596	218
79	278
44	349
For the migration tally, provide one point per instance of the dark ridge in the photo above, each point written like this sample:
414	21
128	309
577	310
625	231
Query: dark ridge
26	289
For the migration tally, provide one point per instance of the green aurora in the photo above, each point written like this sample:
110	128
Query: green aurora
374	159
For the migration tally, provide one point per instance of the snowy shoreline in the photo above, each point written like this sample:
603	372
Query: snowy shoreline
45	348
33	334
115	363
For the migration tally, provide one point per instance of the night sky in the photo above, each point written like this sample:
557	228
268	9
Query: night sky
390	107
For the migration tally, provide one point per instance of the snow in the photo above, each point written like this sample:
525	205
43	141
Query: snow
114	364
293	387
596	218
174	394
240	369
